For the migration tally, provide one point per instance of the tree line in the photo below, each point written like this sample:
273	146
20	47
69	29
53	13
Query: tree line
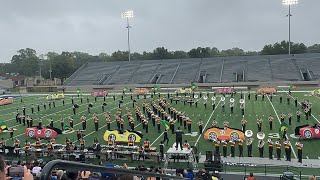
27	62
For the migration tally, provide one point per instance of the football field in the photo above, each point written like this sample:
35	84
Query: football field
253	110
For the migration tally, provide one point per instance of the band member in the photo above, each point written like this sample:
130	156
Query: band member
184	122
262	96
249	94
223	105
232	144
3	145
158	121
200	124
67	141
96	122
298	113
130	142
62	102
88	100
217	146
38	142
72	100
226	124
306	112
108	121
278	146
288	99
196	103
49	146
165	136
261	147
287	148
44	106
289	118
27	145
171	121
84	122
259	124
28	121
271	97
249	146
270	142
111	142
224	148
82	143
284	135
280	98
54	104
213	105
179	138
17	147
231	105
52	141
32	108
161	149
296	102
62	123
299	147
88	108
240	144
146	145
214	123
74	110
23	118
270	119
38	107
205	104
186	144
189	122
49	104
71	122
18	118
141	152
256	96
78	134
243	124
51	122
11	133
282	116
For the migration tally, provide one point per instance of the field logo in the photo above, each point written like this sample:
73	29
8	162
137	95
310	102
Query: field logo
274	135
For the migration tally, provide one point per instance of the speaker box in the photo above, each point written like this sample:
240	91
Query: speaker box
208	155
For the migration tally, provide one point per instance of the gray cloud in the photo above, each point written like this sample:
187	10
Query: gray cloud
95	26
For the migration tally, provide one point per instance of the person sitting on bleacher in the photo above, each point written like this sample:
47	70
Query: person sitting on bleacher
131	142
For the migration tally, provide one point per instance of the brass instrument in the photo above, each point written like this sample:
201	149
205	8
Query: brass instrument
299	144
196	96
261	143
249	141
231	100
248	133
270	141
260	135
205	97
223	99
213	98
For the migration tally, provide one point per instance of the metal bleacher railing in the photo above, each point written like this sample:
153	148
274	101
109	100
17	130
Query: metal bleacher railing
75	166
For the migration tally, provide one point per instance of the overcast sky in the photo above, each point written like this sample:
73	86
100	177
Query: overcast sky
96	26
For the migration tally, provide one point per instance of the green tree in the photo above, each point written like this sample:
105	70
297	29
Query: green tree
233	52
161	53
314	48
283	48
119	56
179	55
26	61
199	52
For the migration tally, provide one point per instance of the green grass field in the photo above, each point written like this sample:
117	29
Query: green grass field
253	109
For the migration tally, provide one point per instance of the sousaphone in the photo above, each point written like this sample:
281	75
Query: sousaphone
231	100
260	135
241	101
205	97
223	98
248	133
196	96
213	98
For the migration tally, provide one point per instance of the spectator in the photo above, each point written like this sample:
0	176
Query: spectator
36	170
217	175
312	177
26	175
59	174
190	174
85	174
251	177
125	166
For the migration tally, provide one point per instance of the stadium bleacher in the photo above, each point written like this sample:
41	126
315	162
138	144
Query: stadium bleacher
300	67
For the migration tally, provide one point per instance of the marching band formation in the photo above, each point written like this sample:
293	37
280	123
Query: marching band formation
158	110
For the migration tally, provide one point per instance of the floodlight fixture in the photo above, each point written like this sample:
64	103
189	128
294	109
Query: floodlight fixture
289	2
127	14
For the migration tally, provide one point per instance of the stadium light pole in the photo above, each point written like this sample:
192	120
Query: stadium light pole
127	15
289	3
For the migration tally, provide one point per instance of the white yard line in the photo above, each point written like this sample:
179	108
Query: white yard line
294	153
207	122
